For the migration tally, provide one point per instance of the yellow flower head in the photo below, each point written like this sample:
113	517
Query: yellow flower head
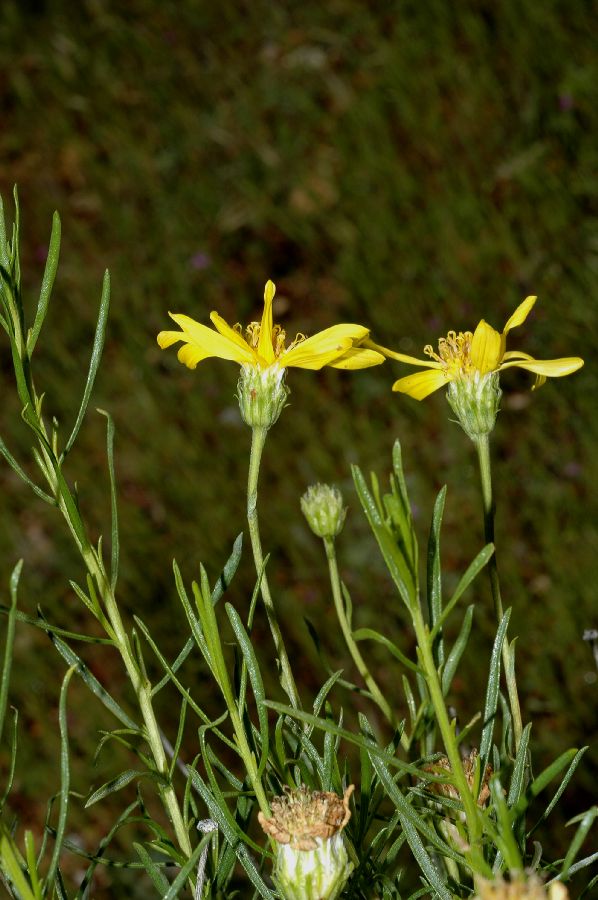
463	355
263	344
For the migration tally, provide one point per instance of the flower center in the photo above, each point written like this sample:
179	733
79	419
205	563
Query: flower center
454	353
278	337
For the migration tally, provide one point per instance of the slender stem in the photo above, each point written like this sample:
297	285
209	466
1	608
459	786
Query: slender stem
358	659
287	680
142	689
472	813
483	447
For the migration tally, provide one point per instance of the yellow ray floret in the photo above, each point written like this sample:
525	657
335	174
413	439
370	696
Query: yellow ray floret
467	355
263	344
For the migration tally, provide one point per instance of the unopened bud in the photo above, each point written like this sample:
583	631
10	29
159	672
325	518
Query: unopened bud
322	506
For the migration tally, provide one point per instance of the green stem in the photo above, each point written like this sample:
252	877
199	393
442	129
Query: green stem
472	813
483	447
358	659
287	681
142	689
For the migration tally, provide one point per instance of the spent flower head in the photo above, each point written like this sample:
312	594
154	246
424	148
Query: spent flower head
322	506
521	886
311	858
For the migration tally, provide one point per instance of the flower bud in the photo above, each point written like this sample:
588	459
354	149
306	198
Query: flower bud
475	400
262	395
311	859
322	506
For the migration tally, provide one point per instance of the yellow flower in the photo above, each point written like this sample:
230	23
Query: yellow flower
264	344
468	356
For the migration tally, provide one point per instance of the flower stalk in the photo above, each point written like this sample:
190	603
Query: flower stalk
258	439
482	443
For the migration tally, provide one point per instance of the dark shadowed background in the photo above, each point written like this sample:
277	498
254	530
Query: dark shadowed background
411	166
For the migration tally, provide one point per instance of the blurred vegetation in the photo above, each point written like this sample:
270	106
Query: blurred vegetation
411	166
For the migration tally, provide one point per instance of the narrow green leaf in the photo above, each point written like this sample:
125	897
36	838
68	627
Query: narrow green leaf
566	779
158	879
11	866
505	839
179	738
412	825
186	871
65	778
230	831
363	634
492	692
255	677
47	284
472	571
96	355
434	577
228	573
345	734
4	451
517	785
457	650
583	828
41	623
114	785
115	540
394	559
32	865
13	758
8	642
92	682
97	857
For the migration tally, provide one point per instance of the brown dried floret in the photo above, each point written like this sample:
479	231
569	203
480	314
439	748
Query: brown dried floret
301	817
443	767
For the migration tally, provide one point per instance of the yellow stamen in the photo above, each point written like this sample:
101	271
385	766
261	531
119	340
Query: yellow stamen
454	353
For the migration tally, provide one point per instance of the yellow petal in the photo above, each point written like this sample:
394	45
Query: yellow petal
319	349
402	357
168	338
265	347
190	355
520	314
547	368
210	342
228	332
357	358
486	348
421	384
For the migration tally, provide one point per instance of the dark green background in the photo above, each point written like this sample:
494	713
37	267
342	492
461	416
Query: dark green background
412	166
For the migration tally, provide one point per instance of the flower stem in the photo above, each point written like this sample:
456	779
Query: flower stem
482	443
258	439
472	813
358	659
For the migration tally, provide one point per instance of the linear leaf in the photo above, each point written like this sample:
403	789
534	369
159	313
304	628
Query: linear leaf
471	572
8	642
65	778
230	568
363	634
492	691
47	284
115	784
255	677
96	355
434	576
457	650
92	682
